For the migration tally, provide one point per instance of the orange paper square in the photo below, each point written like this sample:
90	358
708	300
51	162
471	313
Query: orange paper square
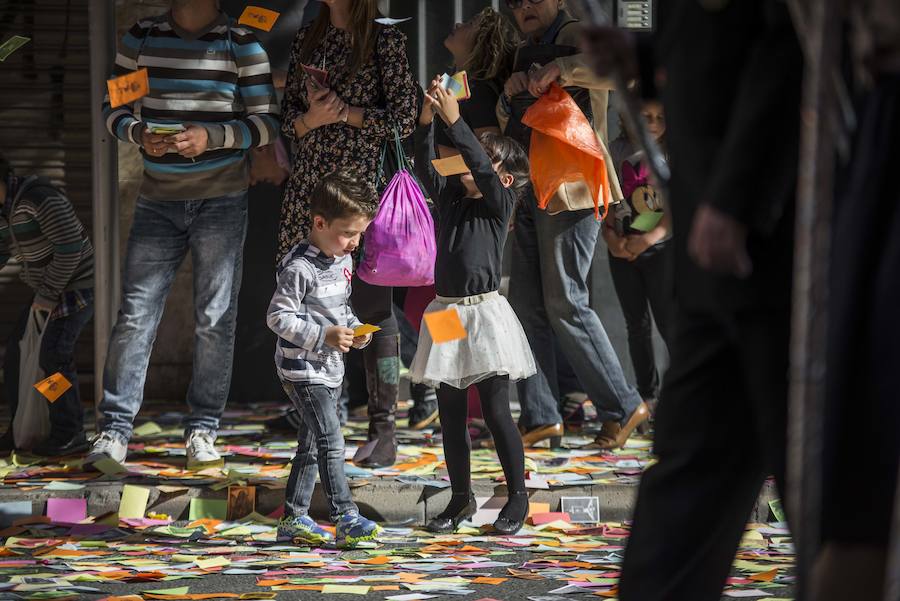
444	326
128	88
259	18
53	387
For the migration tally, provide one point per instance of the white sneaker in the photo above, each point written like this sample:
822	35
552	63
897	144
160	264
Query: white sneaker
107	445
201	450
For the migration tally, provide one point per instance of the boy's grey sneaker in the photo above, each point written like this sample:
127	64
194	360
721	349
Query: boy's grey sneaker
352	529
107	445
303	529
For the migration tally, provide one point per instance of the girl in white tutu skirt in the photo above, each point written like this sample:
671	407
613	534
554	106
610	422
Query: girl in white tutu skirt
474	211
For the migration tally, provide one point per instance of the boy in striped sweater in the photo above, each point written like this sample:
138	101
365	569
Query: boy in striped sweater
39	229
212	78
311	314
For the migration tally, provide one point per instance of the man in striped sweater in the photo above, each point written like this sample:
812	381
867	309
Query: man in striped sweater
211	77
39	229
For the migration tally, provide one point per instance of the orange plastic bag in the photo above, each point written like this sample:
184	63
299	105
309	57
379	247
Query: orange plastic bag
564	148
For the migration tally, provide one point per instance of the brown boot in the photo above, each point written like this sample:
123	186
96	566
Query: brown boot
382	361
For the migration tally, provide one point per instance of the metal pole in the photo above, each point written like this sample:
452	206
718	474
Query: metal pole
105	187
421	46
810	304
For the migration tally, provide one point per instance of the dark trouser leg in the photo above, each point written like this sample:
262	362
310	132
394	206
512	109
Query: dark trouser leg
657	275
539	394
703	475
12	364
628	281
58	355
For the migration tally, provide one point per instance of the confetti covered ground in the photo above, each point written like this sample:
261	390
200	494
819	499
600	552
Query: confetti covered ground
152	530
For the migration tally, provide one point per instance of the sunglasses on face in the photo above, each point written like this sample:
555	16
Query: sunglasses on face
514	4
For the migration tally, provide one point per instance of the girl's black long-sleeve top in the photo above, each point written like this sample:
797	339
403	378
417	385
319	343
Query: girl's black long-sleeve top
471	231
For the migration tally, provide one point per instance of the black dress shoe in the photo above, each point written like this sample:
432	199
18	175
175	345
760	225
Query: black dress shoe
445	522
55	446
511	524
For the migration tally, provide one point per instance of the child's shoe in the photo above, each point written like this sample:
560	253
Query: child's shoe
352	529
303	529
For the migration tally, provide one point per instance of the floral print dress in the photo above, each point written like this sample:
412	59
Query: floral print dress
384	87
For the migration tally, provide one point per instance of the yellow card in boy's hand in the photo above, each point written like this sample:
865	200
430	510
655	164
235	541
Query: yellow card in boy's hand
53	387
364	329
444	326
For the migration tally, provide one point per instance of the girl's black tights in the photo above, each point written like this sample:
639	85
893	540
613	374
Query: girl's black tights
453	406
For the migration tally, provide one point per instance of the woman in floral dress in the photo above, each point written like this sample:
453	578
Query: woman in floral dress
344	121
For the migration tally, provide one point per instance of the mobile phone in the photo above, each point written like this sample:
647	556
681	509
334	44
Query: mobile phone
164	129
318	77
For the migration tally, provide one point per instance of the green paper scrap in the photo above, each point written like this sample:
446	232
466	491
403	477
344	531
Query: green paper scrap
175	592
647	221
11	45
109	466
777	510
215	509
133	504
147	429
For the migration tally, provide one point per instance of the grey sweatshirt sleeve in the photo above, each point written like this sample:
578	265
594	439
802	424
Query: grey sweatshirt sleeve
286	313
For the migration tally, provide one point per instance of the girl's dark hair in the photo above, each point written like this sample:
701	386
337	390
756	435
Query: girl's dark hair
340	195
363	29
510	155
495	46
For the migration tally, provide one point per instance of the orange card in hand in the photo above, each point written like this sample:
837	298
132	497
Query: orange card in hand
128	88
53	387
444	326
259	18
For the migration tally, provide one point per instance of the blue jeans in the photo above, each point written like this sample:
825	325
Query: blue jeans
548	289
57	355
320	449
163	232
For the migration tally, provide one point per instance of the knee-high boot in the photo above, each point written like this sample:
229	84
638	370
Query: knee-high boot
382	361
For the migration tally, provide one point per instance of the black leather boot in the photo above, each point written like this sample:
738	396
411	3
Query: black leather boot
382	361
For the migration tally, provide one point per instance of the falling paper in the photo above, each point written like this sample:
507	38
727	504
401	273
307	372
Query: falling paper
259	18
454	165
444	326
128	88
11	45
53	387
133	503
390	21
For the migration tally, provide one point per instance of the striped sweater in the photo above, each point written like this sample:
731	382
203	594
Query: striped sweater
46	238
218	78
312	294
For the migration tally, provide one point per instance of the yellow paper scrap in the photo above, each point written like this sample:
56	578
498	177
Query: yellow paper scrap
133	503
212	562
346	589
365	329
